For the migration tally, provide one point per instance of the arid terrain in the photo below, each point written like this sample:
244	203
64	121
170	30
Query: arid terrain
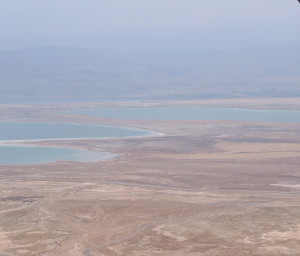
195	188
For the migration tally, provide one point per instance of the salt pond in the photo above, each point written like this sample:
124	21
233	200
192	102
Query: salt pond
160	113
49	131
31	154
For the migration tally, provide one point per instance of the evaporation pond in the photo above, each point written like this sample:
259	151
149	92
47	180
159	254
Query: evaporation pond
31	154
48	131
228	114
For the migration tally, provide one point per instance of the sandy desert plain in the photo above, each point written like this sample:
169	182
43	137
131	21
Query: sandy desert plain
195	188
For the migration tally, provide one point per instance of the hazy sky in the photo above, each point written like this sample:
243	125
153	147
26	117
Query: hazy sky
149	24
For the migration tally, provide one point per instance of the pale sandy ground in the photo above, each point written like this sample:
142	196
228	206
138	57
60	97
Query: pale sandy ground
195	188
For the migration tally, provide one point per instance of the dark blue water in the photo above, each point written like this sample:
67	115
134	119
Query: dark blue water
230	114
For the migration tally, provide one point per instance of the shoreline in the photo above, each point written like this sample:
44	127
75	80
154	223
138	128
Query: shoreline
248	103
82	157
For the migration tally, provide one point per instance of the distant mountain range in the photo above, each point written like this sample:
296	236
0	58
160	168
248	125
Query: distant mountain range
61	73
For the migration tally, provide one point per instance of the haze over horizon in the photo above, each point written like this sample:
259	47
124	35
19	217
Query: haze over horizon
162	49
149	127
149	25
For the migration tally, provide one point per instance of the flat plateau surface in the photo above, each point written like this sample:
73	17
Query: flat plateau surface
195	188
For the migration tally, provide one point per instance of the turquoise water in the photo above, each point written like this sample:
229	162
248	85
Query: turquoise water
42	131
39	131
31	154
230	114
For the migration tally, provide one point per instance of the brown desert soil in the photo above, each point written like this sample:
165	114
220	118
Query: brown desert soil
194	188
